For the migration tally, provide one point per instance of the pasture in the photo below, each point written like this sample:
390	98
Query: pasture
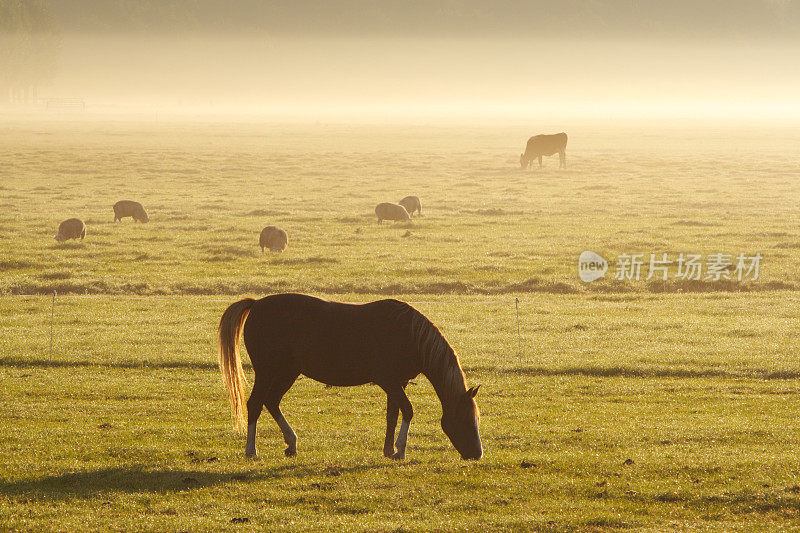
633	404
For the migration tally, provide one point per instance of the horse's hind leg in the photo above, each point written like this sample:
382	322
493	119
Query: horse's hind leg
392	410
279	387
254	406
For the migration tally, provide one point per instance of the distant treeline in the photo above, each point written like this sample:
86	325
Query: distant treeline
29	47
569	18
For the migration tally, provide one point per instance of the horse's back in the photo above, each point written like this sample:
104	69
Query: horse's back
332	342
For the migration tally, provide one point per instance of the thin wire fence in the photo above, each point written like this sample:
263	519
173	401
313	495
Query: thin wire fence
543	298
537	334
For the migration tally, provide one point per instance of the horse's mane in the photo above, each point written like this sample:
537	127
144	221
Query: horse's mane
439	361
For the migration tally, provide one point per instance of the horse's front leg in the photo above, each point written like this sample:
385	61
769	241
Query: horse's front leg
392	410
397	395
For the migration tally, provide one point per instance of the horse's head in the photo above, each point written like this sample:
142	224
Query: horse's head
522	161
460	424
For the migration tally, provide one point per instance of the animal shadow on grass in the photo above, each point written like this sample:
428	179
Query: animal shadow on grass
315	260
127	480
69	245
133	479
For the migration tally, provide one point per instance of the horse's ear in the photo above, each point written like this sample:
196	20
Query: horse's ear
473	391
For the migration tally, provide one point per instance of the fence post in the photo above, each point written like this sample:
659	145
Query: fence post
52	311
519	337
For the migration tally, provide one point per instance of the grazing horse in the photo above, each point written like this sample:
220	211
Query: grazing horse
387	342
540	145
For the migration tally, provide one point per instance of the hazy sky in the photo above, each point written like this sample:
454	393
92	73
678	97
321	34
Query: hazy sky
433	58
438	18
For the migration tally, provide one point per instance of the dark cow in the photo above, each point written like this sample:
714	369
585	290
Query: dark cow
129	208
540	145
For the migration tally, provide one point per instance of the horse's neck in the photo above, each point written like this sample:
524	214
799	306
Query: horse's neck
444	373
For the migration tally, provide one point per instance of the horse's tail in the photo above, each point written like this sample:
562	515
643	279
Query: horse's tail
230	363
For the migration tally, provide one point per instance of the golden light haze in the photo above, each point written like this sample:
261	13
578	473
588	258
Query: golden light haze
434	59
428	77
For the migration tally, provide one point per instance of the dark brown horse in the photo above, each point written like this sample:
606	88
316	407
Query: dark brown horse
387	342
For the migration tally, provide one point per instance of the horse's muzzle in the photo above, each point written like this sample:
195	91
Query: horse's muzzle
473	456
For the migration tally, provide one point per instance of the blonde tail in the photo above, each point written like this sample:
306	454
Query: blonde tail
230	363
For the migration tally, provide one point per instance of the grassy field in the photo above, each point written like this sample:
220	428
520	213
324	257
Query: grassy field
632	405
489	227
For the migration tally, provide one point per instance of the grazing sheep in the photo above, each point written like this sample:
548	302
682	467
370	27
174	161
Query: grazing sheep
129	208
274	238
387	211
72	228
411	203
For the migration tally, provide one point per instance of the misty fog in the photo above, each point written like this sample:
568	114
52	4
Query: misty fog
615	58
424	77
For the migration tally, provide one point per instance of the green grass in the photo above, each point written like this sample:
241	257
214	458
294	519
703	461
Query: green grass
128	416
631	406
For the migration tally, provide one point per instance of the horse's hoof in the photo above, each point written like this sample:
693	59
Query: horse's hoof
388	452
290	452
251	455
397	456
